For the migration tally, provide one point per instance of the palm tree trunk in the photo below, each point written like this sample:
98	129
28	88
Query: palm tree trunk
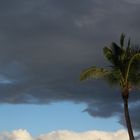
127	119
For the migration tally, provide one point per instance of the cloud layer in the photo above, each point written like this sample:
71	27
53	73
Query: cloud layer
65	135
45	44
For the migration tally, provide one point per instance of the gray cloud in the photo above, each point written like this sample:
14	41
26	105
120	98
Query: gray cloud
45	45
133	1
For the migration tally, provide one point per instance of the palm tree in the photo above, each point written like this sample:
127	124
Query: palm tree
124	71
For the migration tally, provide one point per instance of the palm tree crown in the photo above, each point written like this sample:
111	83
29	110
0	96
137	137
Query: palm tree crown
125	65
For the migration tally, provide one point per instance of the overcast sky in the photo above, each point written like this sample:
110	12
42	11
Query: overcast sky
44	45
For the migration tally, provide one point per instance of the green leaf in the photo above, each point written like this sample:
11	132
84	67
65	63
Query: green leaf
93	72
122	40
129	42
108	53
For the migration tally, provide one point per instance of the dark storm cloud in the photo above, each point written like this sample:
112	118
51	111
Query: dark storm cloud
45	44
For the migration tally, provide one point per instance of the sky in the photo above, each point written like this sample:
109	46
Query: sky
44	46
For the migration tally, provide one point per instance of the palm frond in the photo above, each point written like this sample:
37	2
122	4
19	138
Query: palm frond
116	50
114	77
133	59
129	42
93	72
114	54
108	53
122	40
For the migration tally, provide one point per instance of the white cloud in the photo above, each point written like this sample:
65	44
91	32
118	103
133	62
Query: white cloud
90	135
16	135
65	135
